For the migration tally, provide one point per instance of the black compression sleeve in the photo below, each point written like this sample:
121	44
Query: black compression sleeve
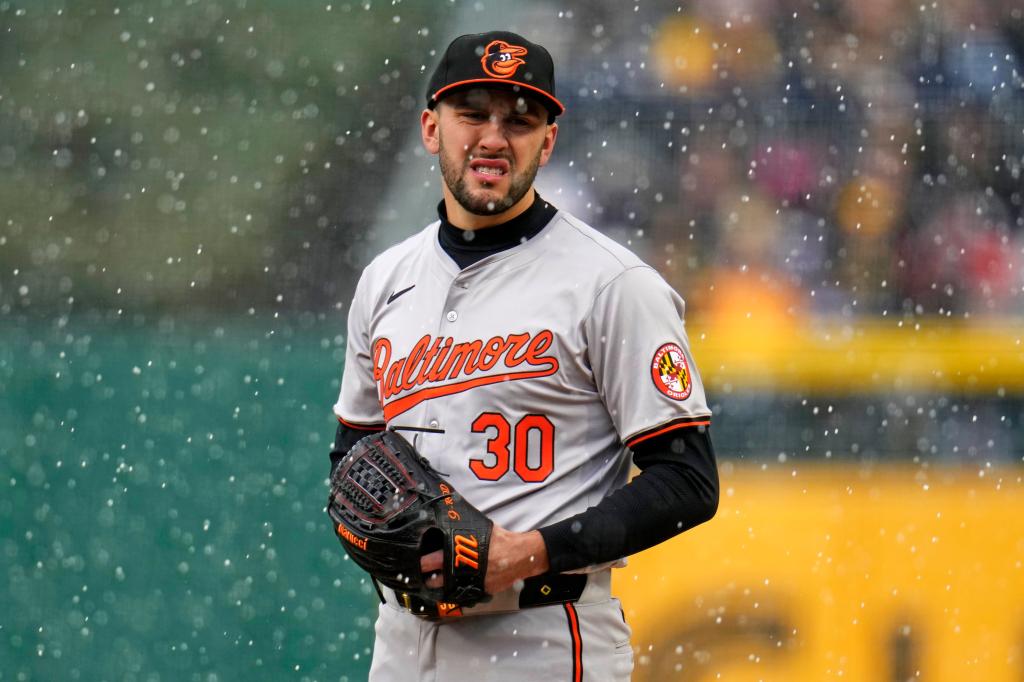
344	438
676	489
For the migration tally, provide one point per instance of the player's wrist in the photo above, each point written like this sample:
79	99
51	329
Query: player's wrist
535	554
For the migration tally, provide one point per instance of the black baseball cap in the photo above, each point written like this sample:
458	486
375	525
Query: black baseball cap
496	58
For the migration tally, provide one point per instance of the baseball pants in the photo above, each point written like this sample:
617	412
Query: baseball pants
582	642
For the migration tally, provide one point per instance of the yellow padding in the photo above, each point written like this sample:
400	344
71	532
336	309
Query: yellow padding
861	355
812	573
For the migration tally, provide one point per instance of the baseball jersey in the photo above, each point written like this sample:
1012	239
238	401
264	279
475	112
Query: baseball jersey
524	376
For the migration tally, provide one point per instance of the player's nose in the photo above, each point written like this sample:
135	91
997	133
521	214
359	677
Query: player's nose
493	135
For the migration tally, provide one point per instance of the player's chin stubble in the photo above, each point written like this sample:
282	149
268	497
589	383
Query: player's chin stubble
454	176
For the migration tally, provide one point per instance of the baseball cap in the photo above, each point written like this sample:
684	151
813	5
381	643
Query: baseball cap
496	58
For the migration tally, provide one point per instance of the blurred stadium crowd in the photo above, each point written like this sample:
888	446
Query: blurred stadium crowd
789	156
853	158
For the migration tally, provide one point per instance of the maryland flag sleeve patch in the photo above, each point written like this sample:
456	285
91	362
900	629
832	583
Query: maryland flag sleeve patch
670	372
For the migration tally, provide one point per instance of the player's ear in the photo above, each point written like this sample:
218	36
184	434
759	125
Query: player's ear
429	130
550	135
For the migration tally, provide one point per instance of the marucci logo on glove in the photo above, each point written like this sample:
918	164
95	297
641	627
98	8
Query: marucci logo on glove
437	360
465	552
351	537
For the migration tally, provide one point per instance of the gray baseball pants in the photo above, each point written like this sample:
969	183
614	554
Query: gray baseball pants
581	642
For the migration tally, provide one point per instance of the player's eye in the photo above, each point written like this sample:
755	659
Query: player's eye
520	122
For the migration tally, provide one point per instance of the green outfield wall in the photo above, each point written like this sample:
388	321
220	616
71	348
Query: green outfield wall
161	507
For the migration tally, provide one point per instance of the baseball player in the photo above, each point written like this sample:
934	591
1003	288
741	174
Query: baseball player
531	360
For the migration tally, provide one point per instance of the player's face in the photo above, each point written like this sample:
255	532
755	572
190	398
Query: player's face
490	144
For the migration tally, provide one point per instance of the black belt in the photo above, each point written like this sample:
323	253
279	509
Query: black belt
541	590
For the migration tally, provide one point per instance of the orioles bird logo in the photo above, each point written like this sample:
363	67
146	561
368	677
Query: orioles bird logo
501	59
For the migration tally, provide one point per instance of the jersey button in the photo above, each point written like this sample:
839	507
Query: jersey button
452	316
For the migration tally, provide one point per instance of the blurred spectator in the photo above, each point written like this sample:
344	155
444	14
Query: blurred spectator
965	259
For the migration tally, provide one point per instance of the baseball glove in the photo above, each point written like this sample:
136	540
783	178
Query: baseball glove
390	507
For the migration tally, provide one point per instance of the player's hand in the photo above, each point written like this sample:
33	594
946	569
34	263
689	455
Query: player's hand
512	556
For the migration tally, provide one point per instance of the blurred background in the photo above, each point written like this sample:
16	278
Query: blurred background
190	189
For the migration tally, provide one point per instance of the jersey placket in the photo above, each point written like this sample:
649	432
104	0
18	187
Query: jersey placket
448	326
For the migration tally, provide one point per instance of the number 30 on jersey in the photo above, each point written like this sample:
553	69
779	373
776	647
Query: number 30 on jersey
509	447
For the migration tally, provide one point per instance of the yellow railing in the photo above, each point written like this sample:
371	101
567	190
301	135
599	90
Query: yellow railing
868	355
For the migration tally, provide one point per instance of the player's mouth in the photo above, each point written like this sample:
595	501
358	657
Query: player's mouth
489	170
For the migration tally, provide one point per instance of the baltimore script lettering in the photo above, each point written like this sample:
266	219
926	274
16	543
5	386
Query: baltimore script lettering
437	360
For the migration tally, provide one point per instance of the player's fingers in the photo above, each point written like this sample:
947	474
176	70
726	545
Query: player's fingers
432	562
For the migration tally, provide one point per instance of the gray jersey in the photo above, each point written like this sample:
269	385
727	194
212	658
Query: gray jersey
525	376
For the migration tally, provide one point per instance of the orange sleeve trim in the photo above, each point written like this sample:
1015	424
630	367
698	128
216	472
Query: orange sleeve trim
362	427
672	427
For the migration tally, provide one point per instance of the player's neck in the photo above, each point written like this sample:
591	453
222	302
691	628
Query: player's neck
464	220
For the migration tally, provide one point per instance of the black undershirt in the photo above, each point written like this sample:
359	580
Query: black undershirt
468	246
677	487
